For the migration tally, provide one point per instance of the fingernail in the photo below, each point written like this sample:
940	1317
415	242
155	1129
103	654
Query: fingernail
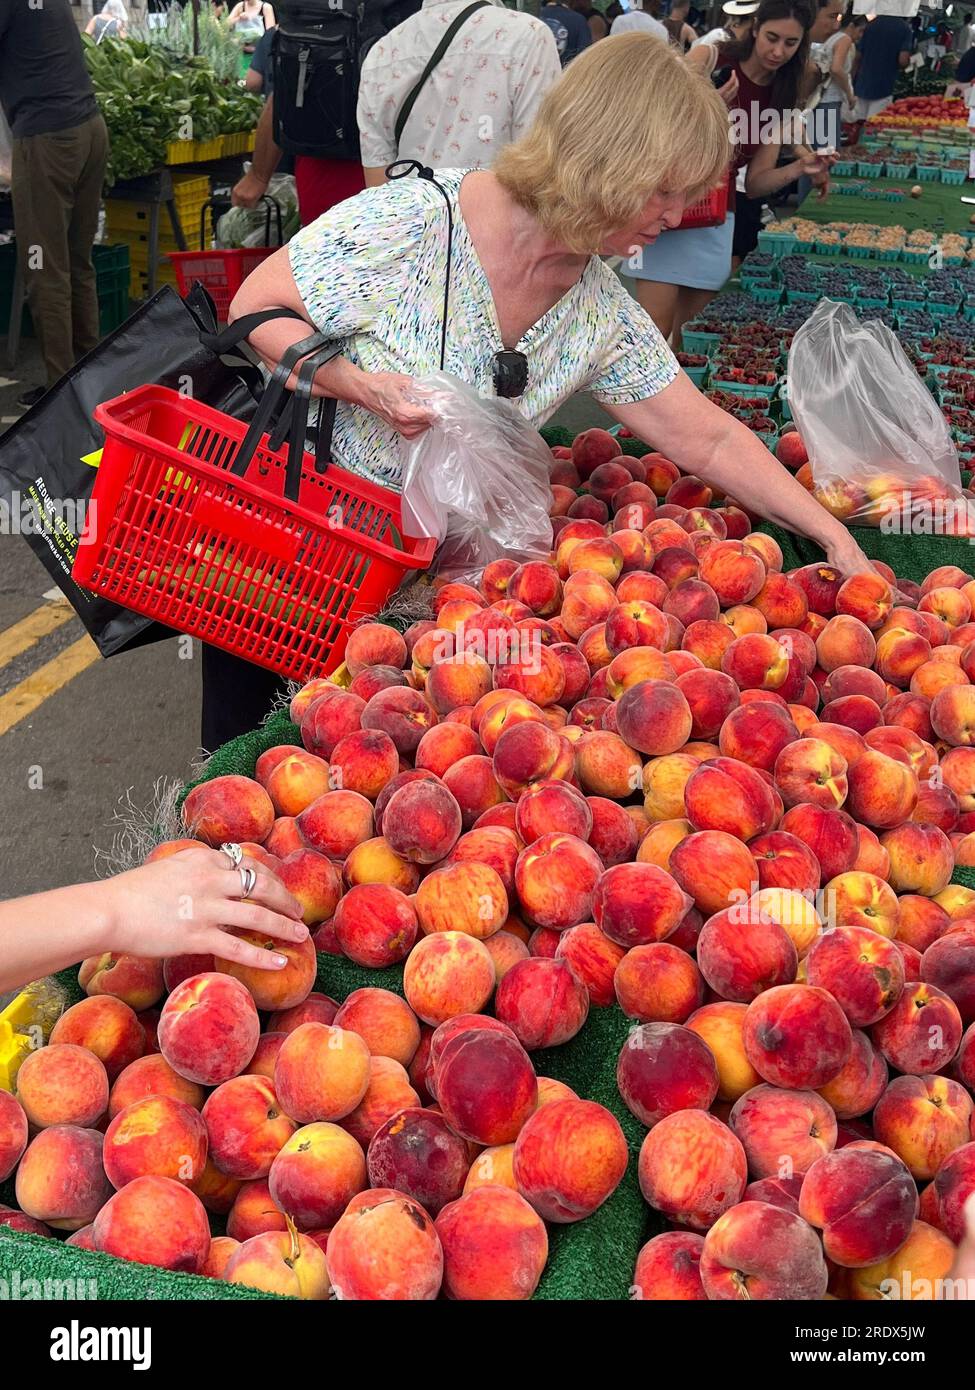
301	932
281	960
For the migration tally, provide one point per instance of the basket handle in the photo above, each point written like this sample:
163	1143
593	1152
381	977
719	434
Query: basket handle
272	396
299	419
272	204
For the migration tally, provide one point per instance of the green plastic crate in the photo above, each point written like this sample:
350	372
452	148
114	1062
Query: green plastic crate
829	248
777	243
954	175
693	340
767	294
844	168
898	171
738	388
940	309
112	280
696	374
866	169
928	173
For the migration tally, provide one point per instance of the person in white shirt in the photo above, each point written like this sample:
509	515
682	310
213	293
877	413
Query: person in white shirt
483	93
738	17
638	19
964	38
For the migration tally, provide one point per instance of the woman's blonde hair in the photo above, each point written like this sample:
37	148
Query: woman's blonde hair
627	119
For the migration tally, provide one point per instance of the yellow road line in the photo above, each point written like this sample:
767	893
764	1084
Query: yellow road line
46	681
31	629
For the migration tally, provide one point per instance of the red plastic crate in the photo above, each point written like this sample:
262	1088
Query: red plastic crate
708	212
171	533
221	273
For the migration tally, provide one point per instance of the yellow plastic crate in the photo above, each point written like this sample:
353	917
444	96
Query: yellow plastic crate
24	1026
193	151
241	142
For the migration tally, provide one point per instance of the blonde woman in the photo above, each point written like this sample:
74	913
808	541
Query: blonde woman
622	141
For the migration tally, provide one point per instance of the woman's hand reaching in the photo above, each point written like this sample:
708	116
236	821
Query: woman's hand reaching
393	397
185	903
844	554
816	168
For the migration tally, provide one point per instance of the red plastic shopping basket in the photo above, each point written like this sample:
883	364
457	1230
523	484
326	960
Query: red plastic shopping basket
707	212
220	272
174	534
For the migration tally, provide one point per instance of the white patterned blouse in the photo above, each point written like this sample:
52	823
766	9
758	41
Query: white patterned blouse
371	274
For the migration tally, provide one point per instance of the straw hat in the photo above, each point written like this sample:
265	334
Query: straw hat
740	7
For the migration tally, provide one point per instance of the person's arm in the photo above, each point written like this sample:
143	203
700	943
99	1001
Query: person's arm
184	904
704	59
235	14
703	439
90	26
904	56
248	191
597	27
254	79
269	20
386	394
764	176
838	70
538	68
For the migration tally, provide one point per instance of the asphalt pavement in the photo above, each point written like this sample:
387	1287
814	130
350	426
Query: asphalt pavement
78	735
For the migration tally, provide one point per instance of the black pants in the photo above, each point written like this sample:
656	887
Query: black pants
236	697
748	224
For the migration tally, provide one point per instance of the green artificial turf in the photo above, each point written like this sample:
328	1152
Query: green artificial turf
937	200
910	557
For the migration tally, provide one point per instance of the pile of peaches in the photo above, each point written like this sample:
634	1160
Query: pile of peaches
653	772
881	497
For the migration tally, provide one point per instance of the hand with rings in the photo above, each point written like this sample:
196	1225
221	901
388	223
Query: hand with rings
189	903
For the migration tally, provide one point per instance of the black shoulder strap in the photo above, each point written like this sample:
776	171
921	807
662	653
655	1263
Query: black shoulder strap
435	57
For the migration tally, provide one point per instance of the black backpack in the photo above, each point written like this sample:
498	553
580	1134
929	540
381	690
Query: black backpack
317	55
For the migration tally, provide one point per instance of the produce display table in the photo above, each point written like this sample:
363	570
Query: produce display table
155	191
590	1260
938	208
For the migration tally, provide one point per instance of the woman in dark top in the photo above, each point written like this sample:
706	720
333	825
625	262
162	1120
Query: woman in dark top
681	272
598	22
681	33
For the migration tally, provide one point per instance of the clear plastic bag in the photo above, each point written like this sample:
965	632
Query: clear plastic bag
250	227
879	447
477	479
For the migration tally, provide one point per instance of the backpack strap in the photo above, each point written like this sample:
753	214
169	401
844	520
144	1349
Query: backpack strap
435	57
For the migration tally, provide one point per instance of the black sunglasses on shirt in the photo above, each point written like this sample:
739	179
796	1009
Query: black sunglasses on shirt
509	369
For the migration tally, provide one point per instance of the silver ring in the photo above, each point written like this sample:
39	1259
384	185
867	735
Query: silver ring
248	880
233	852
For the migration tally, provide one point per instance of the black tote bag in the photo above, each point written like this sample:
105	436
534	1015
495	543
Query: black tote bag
48	459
